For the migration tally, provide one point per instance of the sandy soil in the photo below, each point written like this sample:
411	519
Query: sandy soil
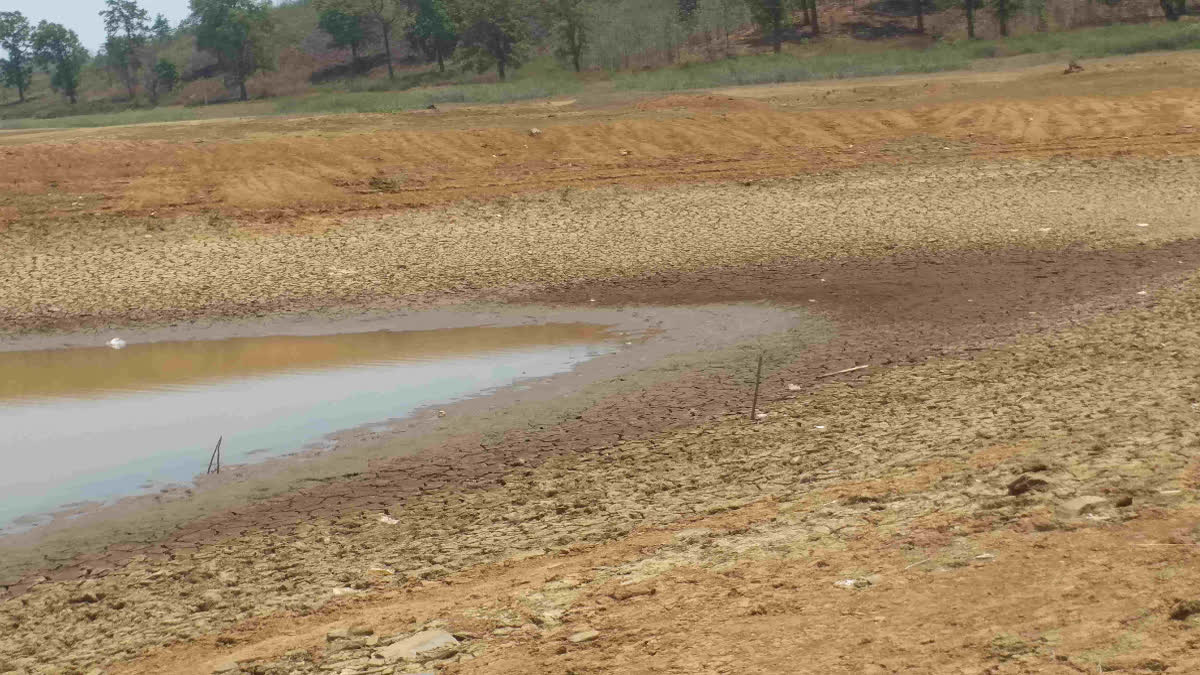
1008	487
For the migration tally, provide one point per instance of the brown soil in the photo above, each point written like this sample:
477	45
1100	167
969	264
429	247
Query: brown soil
1009	487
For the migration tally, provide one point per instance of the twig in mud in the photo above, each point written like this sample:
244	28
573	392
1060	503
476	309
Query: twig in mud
216	457
846	370
916	563
757	381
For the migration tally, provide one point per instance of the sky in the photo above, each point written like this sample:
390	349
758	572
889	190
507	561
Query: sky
83	16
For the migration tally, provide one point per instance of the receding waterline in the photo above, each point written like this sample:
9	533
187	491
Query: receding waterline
98	423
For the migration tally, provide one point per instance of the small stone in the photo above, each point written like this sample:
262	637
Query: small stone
1124	501
1184	609
228	578
338	634
360	629
1080	506
632	591
87	598
411	647
227	667
1025	484
584	636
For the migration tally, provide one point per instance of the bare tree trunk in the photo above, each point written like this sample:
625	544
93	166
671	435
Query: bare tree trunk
970	5
777	29
242	86
816	25
500	68
441	63
387	47
920	15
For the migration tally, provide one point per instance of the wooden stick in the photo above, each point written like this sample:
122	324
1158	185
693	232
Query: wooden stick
847	370
215	458
757	381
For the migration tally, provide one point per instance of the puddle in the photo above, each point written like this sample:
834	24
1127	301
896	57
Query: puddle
92	424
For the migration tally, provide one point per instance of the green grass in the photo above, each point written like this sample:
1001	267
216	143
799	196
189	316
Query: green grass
104	119
771	68
766	69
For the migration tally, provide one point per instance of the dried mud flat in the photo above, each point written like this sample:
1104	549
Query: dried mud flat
1009	487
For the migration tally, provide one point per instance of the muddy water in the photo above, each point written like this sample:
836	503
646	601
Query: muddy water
92	424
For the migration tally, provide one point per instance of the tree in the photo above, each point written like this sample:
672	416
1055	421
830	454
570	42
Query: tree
1004	9
163	76
1173	9
236	33
389	15
15	38
770	16
970	7
494	34
433	32
126	25
919	5
345	30
160	30
57	49
569	18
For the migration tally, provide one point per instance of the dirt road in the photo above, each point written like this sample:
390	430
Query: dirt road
1009	486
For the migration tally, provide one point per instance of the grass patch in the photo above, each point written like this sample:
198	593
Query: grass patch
771	68
105	119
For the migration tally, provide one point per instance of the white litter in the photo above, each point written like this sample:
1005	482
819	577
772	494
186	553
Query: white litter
846	583
1143	224
116	343
387	520
795	387
820	426
1141	292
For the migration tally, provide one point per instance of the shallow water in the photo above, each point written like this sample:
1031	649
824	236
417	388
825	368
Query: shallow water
98	423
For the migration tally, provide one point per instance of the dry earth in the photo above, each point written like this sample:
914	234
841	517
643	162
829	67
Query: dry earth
1010	487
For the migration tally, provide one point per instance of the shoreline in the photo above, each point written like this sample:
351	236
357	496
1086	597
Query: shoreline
663	333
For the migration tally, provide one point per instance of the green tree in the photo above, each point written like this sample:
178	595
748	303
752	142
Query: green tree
160	30
127	26
433	32
494	34
345	30
15	38
167	73
569	19
57	49
389	15
1173	9
770	15
1004	10
236	32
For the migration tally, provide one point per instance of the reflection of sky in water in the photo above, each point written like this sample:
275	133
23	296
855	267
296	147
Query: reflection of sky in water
61	450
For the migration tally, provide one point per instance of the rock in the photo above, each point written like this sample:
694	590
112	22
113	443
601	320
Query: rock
85	598
1025	484
360	629
1185	608
338	634
208	600
410	648
1124	501
1080	506
632	591
227	667
584	636
228	578
535	132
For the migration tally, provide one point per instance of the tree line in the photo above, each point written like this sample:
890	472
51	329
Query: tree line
478	34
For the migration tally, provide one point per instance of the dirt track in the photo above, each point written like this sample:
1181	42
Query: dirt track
985	256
